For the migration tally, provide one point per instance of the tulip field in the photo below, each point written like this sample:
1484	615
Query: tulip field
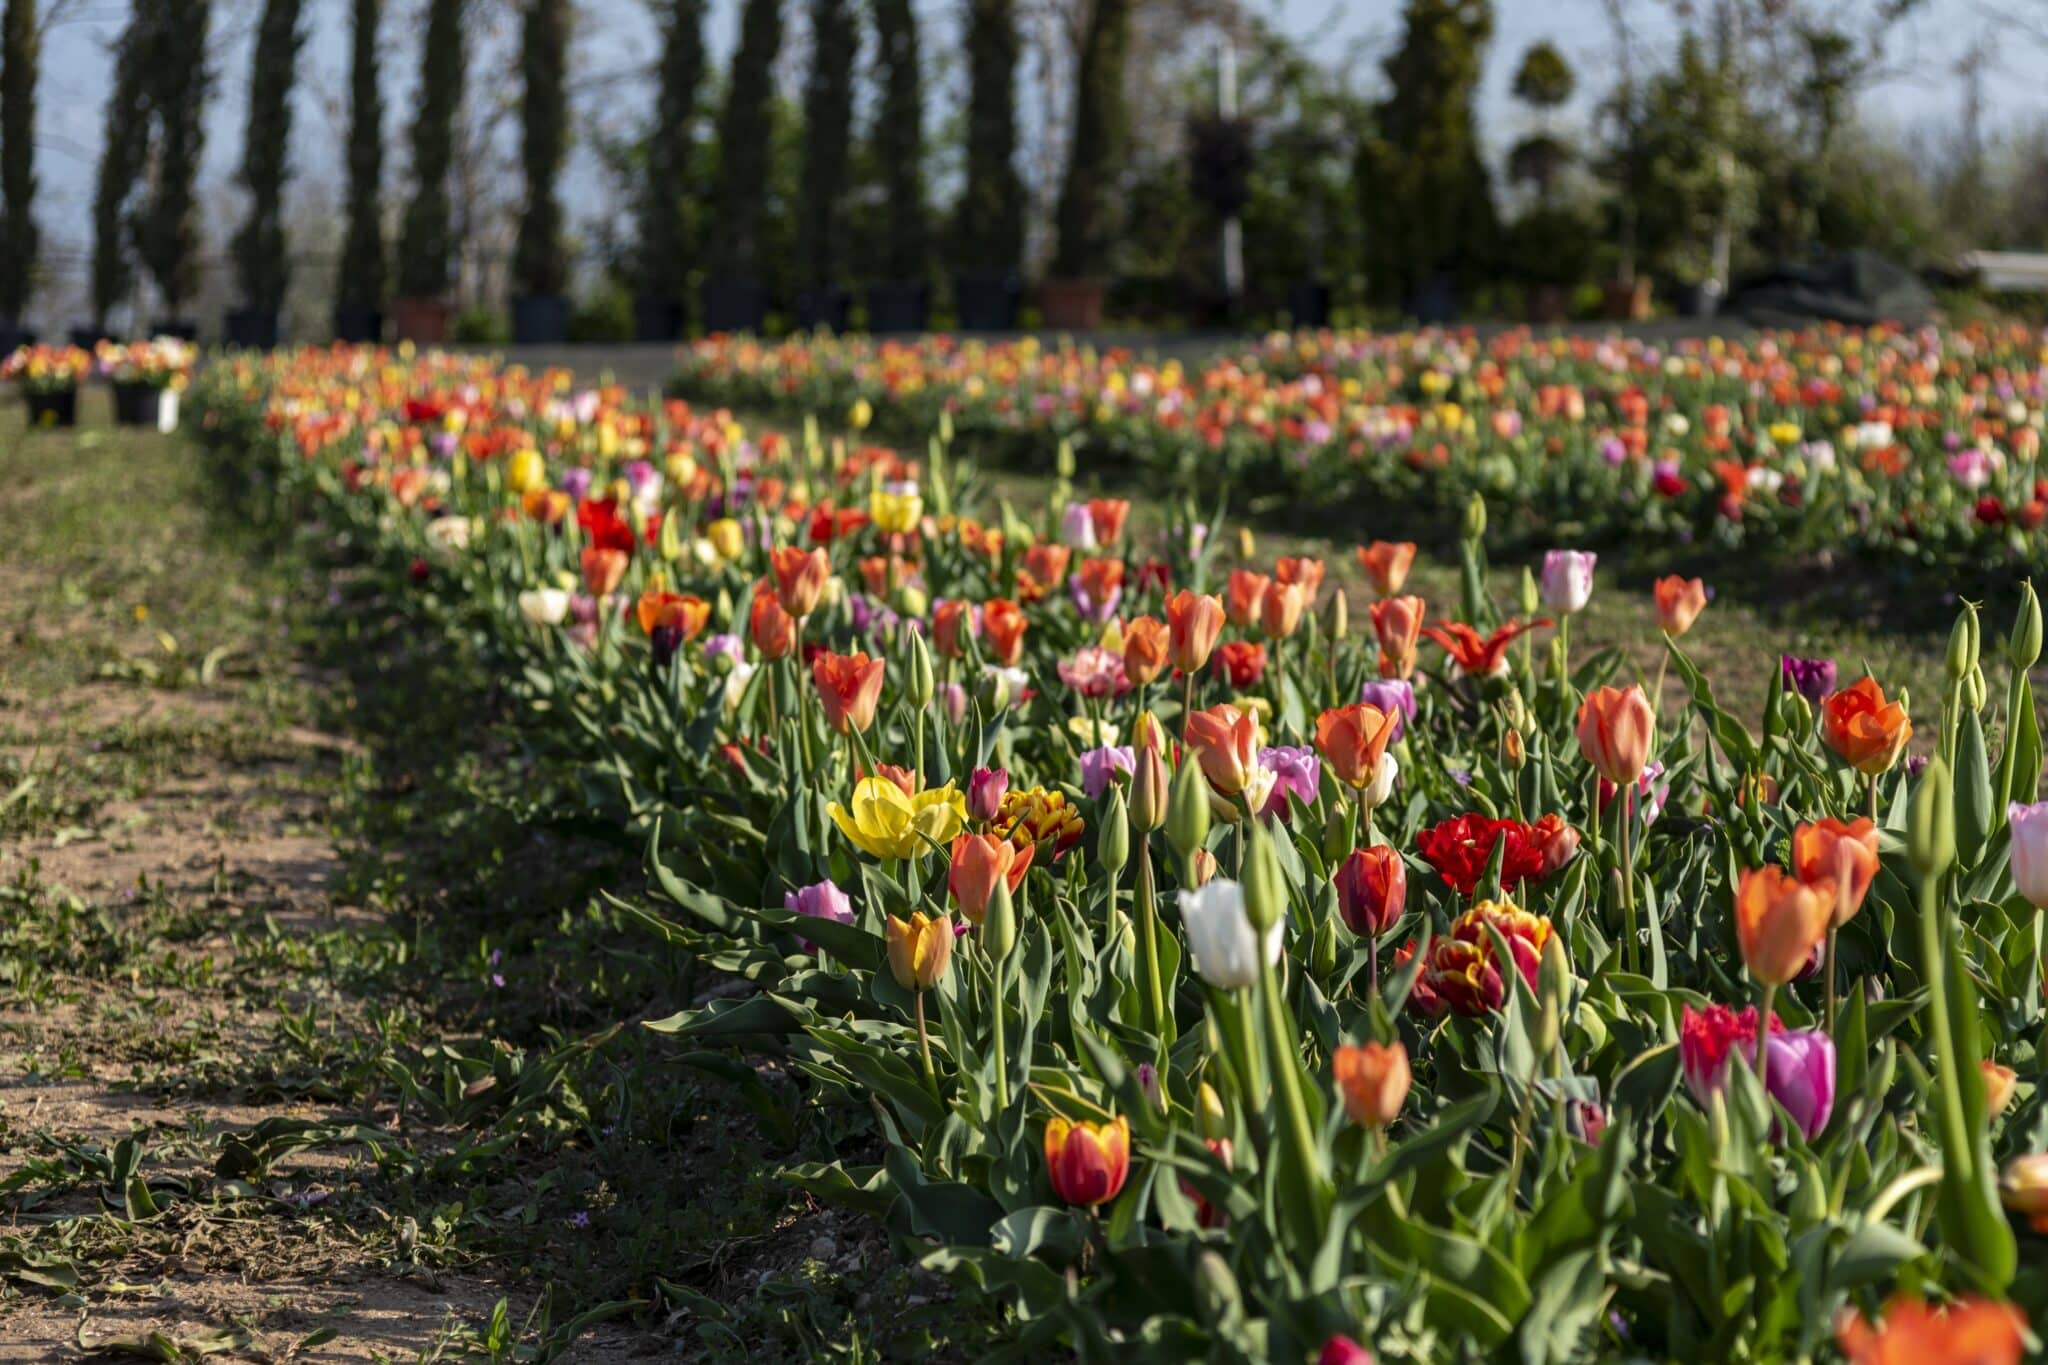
1166	949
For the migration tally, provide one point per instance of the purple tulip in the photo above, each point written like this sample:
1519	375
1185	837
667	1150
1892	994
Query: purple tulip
1812	679
820	901
1296	771
1393	696
1090	609
985	791
1802	1077
953	701
576	482
1099	768
724	647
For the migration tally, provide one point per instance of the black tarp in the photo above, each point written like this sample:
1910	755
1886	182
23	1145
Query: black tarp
1857	287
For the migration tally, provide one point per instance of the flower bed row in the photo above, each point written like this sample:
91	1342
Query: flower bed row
1225	981
1920	447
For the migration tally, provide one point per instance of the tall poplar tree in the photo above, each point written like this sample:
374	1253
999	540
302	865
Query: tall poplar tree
426	244
362	254
540	266
19	44
260	254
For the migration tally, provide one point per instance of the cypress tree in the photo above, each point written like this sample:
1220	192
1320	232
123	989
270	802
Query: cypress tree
427	245
540	267
828	112
19	41
744	127
179	83
664	211
899	140
260	246
362	253
122	153
991	222
1101	130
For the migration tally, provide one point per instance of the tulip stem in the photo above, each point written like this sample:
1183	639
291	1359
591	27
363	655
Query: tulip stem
924	1045
1002	1062
1834	932
1628	879
1870	797
1187	697
1763	1038
1147	906
1305	1158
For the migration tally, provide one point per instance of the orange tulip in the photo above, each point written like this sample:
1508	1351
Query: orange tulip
1679	602
1088	1162
1998	1086
545	505
1867	731
799	578
1225	741
602	569
1304	571
1616	732
1386	565
1352	739
773	630
1374	1080
1101	579
1242	596
919	949
1972	1331
1145	649
1828	850
1045	568
1106	516
849	686
949	619
1193	622
1002	621
1280	609
677	609
1778	919
979	862
1397	621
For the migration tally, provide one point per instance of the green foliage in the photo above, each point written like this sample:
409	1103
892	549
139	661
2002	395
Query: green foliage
989	221
1087	218
745	127
606	315
179	82
124	149
480	327
540	264
20	41
1686	170
1422	186
665	225
828	120
1544	80
260	246
361	281
899	140
426	242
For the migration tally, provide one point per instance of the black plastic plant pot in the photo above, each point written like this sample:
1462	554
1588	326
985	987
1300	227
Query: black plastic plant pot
86	338
136	404
252	329
56	408
184	329
1308	303
1434	301
899	306
829	307
13	336
357	325
540	320
735	305
987	300
657	319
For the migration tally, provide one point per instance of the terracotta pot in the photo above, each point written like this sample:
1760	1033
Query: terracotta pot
424	322
1626	300
1071	305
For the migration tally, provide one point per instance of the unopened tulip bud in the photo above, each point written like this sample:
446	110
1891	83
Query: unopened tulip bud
1998	1086
918	681
1512	755
1475	518
1973	688
1798	713
1323	953
2024	648
985	790
1217	1295
911	600
1151	789
1063	462
1187	810
1265	886
1532	593
1113	838
1961	651
1931	822
999	921
993	692
1202	868
1209	1112
1247	548
1340	616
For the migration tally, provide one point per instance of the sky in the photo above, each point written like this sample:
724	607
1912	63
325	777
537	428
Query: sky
617	40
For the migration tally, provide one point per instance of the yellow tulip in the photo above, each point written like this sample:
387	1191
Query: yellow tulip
919	949
862	413
526	471
896	508
724	535
887	824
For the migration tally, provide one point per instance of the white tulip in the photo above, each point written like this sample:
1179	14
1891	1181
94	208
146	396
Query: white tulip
2030	850
1382	788
736	682
1228	954
450	533
544	606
